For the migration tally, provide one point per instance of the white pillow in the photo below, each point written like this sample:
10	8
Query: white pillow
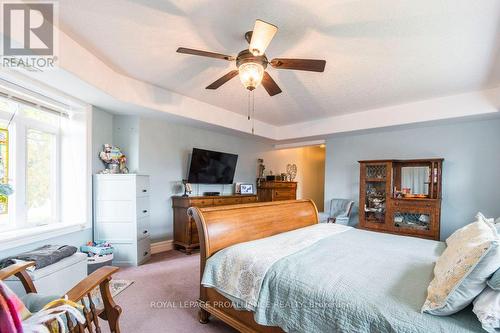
461	272
487	309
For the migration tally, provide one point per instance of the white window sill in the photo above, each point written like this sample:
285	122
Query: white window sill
19	237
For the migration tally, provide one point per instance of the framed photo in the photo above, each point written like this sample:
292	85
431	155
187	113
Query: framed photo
246	189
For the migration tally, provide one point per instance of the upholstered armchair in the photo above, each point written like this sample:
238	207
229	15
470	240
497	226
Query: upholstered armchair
339	212
81	293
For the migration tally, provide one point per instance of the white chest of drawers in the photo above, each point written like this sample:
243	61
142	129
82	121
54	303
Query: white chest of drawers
121	216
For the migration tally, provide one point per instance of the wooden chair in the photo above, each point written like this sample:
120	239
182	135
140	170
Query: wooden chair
79	294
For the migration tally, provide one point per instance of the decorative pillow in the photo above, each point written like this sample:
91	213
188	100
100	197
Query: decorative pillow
487	309
461	272
458	233
494	282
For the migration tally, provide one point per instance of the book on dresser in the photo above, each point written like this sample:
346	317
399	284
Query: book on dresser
121	216
185	231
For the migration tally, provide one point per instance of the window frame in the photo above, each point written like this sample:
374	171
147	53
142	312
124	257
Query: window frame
74	198
18	159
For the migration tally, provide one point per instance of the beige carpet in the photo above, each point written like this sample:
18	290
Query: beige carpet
115	287
163	296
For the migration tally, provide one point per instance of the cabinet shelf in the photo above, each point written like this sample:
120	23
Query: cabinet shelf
412	226
376	180
414	199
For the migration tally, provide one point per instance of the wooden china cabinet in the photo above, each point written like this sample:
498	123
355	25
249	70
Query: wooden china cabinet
401	196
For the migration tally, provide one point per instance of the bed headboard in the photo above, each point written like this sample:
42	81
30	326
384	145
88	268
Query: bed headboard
223	226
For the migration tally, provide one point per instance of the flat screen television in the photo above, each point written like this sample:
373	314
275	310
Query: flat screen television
211	167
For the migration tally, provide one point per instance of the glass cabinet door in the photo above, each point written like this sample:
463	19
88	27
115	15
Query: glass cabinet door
377	181
412	219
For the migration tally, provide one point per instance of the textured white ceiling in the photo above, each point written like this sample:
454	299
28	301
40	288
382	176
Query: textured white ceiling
378	53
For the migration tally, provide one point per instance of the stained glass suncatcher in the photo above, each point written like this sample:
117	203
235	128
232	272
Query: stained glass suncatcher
4	167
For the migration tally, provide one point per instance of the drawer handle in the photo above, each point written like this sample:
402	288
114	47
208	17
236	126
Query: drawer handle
145	232
144	191
146	253
145	211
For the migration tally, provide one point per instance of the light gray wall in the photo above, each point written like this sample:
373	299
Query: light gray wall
102	132
126	136
165	150
471	172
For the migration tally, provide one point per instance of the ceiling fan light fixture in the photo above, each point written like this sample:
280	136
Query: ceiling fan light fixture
251	74
262	35
252	61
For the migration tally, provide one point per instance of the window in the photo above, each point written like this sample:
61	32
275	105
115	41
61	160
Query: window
30	161
40	177
43	156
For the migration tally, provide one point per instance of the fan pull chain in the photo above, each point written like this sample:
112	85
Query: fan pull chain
248	115
253	112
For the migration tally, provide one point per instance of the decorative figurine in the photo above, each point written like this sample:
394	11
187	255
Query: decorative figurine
262	167
114	160
123	164
187	188
260	175
291	170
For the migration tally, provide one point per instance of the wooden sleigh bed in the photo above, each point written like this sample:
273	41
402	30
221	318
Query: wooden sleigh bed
361	279
223	226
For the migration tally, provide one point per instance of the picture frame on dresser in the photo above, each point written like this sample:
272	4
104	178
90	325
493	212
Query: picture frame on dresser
246	189
121	216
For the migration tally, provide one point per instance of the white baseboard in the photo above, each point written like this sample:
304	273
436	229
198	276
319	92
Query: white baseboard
163	246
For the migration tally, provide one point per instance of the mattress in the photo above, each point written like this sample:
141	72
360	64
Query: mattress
349	281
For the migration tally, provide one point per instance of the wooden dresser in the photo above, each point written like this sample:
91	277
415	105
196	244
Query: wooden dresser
276	190
185	232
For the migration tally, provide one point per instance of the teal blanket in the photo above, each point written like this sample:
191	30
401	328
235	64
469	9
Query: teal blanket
355	281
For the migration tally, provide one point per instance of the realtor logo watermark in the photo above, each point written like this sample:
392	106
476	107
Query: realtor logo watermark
29	38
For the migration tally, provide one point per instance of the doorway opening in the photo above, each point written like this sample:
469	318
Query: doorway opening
310	162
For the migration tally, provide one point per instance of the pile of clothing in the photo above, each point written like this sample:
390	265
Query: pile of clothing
42	256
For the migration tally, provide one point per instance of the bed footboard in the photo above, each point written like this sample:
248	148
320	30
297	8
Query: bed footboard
223	226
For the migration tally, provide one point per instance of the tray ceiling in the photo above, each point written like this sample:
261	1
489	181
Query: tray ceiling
379	53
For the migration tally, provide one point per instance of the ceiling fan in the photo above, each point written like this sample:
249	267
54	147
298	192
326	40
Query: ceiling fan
252	62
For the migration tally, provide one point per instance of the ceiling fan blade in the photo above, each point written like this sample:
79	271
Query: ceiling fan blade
299	64
216	84
204	53
262	35
270	85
